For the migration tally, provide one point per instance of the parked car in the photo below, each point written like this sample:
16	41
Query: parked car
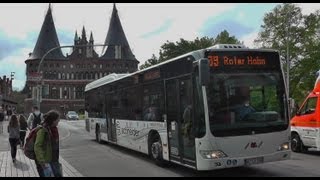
72	115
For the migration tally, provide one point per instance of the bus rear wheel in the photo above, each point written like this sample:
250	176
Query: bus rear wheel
156	151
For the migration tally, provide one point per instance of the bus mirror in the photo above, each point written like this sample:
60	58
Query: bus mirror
204	71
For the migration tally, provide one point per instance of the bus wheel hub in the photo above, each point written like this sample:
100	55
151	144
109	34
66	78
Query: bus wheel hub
155	150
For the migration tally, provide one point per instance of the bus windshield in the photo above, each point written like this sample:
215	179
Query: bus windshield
243	103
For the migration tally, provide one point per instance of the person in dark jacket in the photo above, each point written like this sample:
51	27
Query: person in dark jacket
14	136
1	120
23	129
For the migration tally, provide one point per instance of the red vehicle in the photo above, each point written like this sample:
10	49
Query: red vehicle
305	125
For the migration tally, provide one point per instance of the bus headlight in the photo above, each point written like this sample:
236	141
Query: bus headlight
212	154
284	146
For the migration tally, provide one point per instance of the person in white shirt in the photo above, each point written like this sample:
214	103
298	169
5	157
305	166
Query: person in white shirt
35	118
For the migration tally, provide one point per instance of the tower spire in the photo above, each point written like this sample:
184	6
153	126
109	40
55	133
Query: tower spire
47	39
84	36
91	37
116	39
76	36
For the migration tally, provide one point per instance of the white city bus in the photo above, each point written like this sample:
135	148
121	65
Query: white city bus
194	110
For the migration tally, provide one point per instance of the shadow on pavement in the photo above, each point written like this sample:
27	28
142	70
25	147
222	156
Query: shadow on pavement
184	171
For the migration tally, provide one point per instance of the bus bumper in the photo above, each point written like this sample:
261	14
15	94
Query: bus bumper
229	162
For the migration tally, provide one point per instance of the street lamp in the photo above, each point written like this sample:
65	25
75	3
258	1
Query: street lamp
40	82
287	56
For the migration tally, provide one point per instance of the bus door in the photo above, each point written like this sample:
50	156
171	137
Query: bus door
179	119
110	119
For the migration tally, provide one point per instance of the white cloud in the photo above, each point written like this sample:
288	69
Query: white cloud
17	20
249	39
16	64
307	8
137	19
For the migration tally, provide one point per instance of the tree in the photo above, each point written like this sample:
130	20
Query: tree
152	61
286	26
225	38
171	50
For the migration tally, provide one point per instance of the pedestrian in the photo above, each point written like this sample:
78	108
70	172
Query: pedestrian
9	112
46	146
23	129
1	120
35	118
14	136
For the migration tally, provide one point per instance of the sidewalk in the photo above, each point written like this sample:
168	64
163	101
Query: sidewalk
24	167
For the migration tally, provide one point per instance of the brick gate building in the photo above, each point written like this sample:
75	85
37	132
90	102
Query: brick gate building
66	76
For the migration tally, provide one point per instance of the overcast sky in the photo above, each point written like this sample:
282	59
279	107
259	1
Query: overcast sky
147	26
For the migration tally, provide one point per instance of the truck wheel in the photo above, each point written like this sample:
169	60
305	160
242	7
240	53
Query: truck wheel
296	143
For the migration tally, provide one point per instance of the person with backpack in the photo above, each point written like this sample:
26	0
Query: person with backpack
14	136
46	146
35	118
1	120
23	129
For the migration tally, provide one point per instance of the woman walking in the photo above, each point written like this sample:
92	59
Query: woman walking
14	136
23	129
46	146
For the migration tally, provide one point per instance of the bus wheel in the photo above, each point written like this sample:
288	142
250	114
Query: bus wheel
98	134
296	143
156	151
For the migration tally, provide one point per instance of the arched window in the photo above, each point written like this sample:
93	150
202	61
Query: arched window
54	75
59	76
50	75
68	76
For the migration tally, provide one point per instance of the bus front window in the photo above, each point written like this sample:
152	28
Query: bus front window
246	103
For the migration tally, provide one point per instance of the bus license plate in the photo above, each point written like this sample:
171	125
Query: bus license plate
251	161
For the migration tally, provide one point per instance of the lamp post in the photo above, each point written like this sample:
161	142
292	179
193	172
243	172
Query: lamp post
287	56
40	81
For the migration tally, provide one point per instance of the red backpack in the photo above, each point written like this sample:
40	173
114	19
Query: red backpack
28	148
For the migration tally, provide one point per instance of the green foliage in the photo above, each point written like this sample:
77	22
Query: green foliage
286	27
171	50
225	38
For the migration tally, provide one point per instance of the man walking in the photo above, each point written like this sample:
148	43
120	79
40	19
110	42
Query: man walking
35	118
1	120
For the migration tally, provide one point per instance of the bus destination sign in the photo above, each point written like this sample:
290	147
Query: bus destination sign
242	60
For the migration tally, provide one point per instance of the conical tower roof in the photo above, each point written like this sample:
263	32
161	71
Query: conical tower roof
47	40
117	37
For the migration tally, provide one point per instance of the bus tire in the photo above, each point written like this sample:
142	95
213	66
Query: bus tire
297	144
98	134
155	148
